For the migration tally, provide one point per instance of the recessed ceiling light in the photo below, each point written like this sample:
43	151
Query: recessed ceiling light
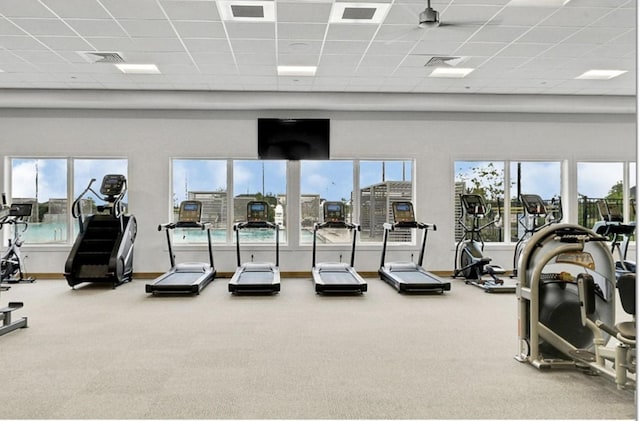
601	74
296	70
342	12
458	72
538	3
247	11
138	68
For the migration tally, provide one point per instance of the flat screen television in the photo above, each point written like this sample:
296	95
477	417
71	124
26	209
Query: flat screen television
294	139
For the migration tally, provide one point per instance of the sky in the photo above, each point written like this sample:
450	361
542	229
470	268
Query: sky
333	179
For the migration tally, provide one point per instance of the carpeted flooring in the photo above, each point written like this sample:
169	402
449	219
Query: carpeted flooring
95	353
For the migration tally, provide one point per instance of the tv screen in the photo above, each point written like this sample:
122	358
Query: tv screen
293	139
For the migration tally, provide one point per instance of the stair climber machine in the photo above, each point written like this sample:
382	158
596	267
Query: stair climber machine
103	250
408	276
566	305
336	277
256	277
470	260
190	278
8	215
535	210
612	226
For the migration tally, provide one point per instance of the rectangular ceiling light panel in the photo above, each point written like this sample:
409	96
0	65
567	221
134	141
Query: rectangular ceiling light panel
247	11
141	69
601	74
454	72
297	70
358	12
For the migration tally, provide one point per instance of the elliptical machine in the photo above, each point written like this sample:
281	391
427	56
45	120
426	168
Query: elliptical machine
8	324
11	262
470	260
535	209
613	227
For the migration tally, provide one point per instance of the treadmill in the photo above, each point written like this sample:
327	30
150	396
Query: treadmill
186	278
336	277
408	276
256	277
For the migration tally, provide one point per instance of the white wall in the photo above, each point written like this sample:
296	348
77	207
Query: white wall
149	139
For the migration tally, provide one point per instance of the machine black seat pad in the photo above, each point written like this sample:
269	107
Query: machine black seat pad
627	329
258	267
398	267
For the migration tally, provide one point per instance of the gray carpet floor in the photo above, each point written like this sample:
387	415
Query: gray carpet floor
95	352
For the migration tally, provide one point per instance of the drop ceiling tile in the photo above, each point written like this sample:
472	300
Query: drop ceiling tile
24	8
251	30
382	60
254	46
523	16
404	14
482	49
218	69
405	71
191	10
202	58
434	48
112	43
363	81
595	35
200	29
21	43
302	31
39	57
43	26
97	27
138	9
567	50
498	33
350	32
161	58
147	28
248	70
206	45
297	59
286	46
256	59
66	43
391	33
620	18
503	63
8	28
345	47
85	9
374	71
547	34
576	17
519	49
157	44
470	14
389	48
311	12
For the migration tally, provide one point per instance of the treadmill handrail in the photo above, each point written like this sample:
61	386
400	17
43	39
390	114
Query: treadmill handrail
256	224
348	225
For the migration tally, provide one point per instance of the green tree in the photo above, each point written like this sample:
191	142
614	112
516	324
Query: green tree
616	191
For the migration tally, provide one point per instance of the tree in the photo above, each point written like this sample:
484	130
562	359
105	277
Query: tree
486	181
616	191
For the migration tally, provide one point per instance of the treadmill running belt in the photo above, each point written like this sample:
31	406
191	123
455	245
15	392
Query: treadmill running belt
338	278
255	278
416	277
179	278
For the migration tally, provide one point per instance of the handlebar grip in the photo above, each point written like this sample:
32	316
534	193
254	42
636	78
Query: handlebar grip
4	199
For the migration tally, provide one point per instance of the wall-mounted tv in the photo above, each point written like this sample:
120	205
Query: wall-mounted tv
294	139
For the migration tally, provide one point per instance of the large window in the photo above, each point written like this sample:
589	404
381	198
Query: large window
382	182
322	181
204	180
43	183
264	180
598	181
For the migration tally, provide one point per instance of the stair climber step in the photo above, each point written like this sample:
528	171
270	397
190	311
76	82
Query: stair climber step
93	271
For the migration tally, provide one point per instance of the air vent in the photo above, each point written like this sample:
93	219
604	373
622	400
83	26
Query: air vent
359	13
247	11
442	61
101	57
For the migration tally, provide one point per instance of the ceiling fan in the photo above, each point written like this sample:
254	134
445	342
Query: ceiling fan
429	17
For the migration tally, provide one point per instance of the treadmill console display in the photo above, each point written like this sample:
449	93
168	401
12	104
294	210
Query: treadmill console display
533	204
112	184
473	204
257	212
334	212
403	212
190	211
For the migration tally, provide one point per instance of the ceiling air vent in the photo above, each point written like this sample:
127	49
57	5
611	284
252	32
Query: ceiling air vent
247	11
359	13
441	61
101	57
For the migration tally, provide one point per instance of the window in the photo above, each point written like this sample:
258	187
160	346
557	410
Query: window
541	178
204	180
382	182
322	181
264	180
597	181
43	183
487	180
632	191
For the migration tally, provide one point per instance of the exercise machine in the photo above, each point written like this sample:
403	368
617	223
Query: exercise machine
613	227
336	277
11	262
255	277
470	260
618	361
103	250
408	276
8	323
536	215
552	331
190	278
